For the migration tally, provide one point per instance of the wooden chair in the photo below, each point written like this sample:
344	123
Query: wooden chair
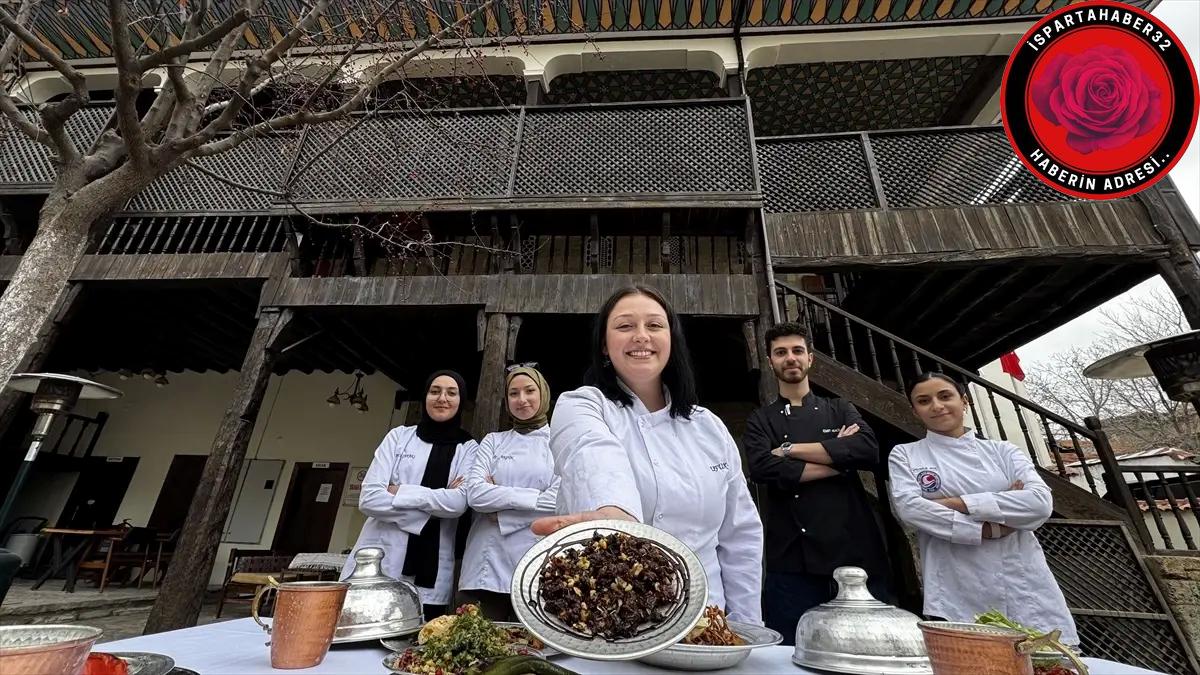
247	571
108	559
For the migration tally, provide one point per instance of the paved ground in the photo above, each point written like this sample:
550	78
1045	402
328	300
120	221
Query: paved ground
119	612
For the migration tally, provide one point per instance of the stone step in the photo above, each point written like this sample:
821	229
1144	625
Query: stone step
60	611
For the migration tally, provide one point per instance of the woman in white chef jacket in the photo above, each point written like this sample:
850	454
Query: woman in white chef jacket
634	445
510	484
414	494
975	504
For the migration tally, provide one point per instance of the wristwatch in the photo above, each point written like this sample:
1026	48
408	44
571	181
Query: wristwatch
786	447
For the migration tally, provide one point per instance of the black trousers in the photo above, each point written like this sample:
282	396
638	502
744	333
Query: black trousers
786	597
493	605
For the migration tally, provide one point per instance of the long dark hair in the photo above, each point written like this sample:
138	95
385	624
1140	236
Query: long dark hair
929	375
677	376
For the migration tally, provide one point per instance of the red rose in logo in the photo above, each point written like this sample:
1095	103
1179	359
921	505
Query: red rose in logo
1100	96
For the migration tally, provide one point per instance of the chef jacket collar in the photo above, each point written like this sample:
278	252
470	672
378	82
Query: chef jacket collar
943	441
641	411
780	401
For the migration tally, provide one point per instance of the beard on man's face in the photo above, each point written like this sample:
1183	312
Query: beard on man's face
789	373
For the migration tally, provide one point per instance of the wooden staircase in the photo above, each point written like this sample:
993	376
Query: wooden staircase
1088	543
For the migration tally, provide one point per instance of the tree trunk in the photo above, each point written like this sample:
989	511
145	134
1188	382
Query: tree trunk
40	282
490	397
11	402
182	594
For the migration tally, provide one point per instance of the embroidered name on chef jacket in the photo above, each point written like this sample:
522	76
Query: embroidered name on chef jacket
406	455
830	431
723	466
928	479
507	457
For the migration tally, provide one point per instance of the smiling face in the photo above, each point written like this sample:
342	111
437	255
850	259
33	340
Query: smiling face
939	405
524	397
441	401
790	358
637	339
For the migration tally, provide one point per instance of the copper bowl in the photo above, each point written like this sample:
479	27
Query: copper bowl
46	649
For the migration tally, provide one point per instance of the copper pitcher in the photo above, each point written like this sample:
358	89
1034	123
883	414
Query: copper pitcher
306	614
974	649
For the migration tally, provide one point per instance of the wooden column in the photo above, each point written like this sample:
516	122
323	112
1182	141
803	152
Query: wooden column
12	402
1180	269
182	593
489	399
764	283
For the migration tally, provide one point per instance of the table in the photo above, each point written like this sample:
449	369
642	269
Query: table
87	542
243	651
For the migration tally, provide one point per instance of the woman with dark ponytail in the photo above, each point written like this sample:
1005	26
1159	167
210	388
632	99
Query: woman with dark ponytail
975	504
635	445
414	494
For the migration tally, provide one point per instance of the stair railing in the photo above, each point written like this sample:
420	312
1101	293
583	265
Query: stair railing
1055	443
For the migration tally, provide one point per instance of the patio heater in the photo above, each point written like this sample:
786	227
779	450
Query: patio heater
53	394
1173	361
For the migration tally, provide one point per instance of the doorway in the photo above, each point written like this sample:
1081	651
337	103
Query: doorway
98	492
310	508
171	508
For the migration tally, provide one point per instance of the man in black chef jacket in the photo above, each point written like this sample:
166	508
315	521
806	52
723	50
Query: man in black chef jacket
806	450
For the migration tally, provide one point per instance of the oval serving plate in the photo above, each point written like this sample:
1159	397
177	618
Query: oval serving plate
145	663
682	656
527	581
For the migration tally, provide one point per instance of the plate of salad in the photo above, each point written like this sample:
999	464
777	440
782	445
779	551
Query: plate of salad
467	643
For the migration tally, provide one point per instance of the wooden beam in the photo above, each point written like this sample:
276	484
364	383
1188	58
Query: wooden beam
514	329
760	273
963	312
10	234
490	397
1039	306
880	400
1180	269
361	349
182	593
1049	255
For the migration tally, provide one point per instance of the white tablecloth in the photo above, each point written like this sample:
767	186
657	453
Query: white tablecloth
239	648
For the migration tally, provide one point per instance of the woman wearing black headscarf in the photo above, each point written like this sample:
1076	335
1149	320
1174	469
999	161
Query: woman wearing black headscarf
414	494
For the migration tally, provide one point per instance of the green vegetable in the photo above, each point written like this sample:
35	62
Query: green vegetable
526	665
470	644
995	618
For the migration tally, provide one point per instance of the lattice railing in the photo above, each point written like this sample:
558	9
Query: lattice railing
919	168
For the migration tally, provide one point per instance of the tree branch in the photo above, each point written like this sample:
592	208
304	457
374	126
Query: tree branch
187	46
8	106
254	70
309	117
129	83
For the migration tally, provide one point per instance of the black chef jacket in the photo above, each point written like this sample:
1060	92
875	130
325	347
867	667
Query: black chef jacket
818	526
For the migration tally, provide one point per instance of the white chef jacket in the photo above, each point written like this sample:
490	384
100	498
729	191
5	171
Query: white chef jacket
400	460
681	476
963	573
525	489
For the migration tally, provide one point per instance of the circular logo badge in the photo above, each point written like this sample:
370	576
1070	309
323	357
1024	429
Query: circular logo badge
929	481
1099	100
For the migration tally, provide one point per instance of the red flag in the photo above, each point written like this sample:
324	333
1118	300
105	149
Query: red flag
1010	364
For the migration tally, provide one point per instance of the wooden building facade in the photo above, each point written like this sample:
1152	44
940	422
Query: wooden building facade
835	162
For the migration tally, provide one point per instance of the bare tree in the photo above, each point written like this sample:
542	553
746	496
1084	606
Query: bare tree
304	78
197	113
1136	413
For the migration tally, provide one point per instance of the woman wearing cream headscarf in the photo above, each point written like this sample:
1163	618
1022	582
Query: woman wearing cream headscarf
511	483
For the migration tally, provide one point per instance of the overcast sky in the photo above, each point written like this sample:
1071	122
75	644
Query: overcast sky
1183	16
